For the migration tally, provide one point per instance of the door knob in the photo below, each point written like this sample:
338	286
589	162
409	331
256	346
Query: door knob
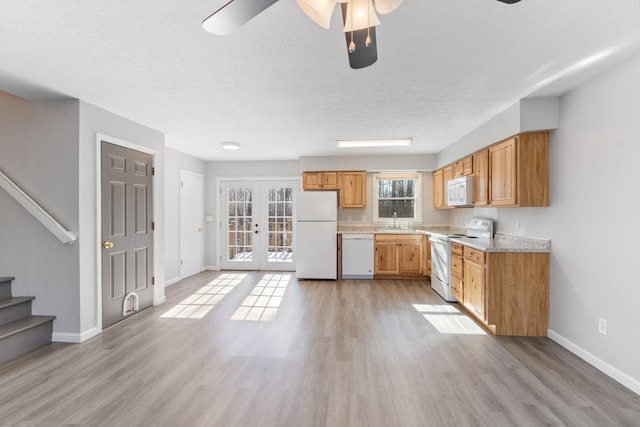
107	245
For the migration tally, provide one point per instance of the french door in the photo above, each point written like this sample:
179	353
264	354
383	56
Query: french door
257	225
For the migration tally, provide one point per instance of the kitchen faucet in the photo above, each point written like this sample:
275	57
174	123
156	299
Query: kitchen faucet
395	217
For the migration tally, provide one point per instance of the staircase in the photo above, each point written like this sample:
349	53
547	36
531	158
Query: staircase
20	331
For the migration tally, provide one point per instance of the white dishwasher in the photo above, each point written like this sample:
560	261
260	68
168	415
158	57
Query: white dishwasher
357	256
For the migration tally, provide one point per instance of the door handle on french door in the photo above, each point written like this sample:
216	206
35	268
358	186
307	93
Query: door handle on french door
107	245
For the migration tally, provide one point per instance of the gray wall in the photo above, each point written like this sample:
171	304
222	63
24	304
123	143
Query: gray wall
594	177
39	151
174	162
94	120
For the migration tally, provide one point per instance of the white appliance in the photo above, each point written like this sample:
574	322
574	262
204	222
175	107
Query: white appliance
316	235
441	254
460	191
357	256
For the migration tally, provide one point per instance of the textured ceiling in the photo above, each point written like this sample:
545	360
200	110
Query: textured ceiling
281	85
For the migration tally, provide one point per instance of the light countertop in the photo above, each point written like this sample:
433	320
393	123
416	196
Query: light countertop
501	242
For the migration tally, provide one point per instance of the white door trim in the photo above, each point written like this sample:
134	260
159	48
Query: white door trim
219	181
157	299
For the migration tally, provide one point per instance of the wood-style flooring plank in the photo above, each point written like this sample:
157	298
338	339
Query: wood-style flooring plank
345	353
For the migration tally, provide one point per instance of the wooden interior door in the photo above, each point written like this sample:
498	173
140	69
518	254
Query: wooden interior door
127	229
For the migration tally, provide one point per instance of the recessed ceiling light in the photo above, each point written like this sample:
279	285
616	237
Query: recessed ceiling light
230	145
362	143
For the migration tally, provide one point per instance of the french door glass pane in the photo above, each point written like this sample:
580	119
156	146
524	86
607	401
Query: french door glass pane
280	229
240	202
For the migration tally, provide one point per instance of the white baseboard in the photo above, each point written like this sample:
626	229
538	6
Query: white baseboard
172	281
615	373
160	300
74	338
210	268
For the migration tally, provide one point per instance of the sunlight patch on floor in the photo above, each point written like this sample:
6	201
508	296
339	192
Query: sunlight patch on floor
198	304
447	319
262	304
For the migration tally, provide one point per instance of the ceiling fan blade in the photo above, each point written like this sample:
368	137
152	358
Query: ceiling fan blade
509	1
233	15
363	56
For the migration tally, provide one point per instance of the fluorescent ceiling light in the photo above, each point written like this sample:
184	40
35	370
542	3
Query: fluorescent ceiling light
362	143
229	145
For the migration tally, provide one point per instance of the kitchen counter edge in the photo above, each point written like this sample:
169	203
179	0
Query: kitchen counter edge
501	243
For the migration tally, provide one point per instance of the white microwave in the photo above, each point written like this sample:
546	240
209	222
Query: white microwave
460	191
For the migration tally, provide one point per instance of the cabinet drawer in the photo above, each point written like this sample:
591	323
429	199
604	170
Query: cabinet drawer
456	288
399	238
456	266
474	255
456	248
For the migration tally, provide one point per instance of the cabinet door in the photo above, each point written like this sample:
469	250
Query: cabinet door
330	180
467	166
311	180
353	189
474	288
503	173
438	189
410	259
481	178
458	169
386	262
426	256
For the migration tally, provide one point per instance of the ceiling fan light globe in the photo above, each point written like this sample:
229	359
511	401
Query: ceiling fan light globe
319	11
386	6
360	15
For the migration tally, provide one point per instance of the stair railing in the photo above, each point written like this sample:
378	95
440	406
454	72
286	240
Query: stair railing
38	212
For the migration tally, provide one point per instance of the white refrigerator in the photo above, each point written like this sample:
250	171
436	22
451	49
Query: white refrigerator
316	235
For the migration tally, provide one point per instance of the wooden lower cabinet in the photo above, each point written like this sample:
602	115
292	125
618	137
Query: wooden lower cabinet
508	292
474	287
457	272
426	266
398	255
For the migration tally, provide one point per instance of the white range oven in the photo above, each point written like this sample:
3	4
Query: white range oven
441	254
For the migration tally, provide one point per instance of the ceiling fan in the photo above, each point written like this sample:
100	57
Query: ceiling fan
358	16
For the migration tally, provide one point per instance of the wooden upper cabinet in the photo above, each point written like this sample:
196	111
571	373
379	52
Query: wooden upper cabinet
353	189
438	189
320	181
481	178
463	167
519	171
502	164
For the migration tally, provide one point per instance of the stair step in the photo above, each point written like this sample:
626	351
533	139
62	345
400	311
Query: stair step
15	308
5	287
23	335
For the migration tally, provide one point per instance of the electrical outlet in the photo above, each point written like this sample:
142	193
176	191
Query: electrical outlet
516	223
602	326
349	218
364	218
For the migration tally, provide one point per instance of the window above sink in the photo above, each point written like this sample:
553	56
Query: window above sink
397	199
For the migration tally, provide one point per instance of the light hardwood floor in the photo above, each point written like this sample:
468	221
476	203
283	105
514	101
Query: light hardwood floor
346	353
